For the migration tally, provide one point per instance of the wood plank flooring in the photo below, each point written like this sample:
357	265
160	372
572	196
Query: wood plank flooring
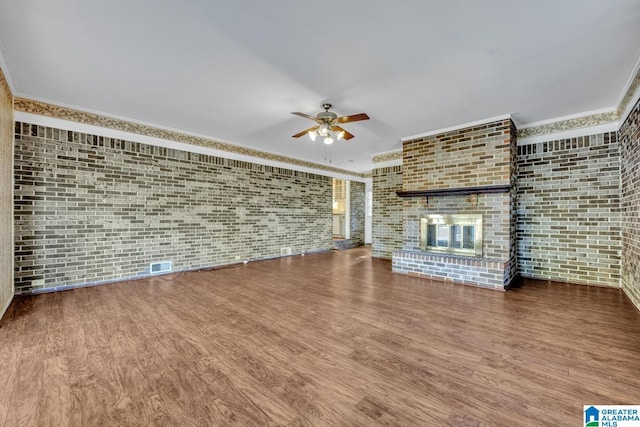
324	339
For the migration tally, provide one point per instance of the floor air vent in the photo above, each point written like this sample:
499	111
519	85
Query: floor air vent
160	267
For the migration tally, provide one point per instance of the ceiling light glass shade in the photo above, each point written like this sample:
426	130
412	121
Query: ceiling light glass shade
324	130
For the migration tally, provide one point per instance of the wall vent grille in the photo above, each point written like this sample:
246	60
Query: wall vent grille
160	267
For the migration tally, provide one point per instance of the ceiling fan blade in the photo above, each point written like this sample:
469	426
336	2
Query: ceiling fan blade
352	118
347	135
306	116
304	132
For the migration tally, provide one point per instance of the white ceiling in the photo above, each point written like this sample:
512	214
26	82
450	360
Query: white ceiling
235	70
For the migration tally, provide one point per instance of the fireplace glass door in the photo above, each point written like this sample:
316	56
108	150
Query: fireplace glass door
455	234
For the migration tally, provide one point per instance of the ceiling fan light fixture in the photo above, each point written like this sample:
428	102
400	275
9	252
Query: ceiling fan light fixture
328	125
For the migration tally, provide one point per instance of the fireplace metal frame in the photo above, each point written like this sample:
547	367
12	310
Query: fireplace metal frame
450	220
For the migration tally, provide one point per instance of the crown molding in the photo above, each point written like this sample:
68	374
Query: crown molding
569	123
5	84
630	88
631	96
387	164
387	158
567	118
5	77
47	114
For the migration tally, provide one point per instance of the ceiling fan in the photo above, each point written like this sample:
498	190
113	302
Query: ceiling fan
327	125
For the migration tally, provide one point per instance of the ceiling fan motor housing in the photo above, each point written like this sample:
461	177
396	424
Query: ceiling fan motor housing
326	116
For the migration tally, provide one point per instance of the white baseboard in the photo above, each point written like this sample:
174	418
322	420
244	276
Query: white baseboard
6	306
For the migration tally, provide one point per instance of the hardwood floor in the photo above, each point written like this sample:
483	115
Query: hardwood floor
325	339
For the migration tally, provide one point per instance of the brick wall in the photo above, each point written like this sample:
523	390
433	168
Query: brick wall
512	269
386	224
357	212
476	156
6	189
91	209
630	178
569	210
469	157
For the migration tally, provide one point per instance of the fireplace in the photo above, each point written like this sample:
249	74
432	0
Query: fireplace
459	205
452	234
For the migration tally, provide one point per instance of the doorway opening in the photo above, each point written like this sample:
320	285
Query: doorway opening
340	209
